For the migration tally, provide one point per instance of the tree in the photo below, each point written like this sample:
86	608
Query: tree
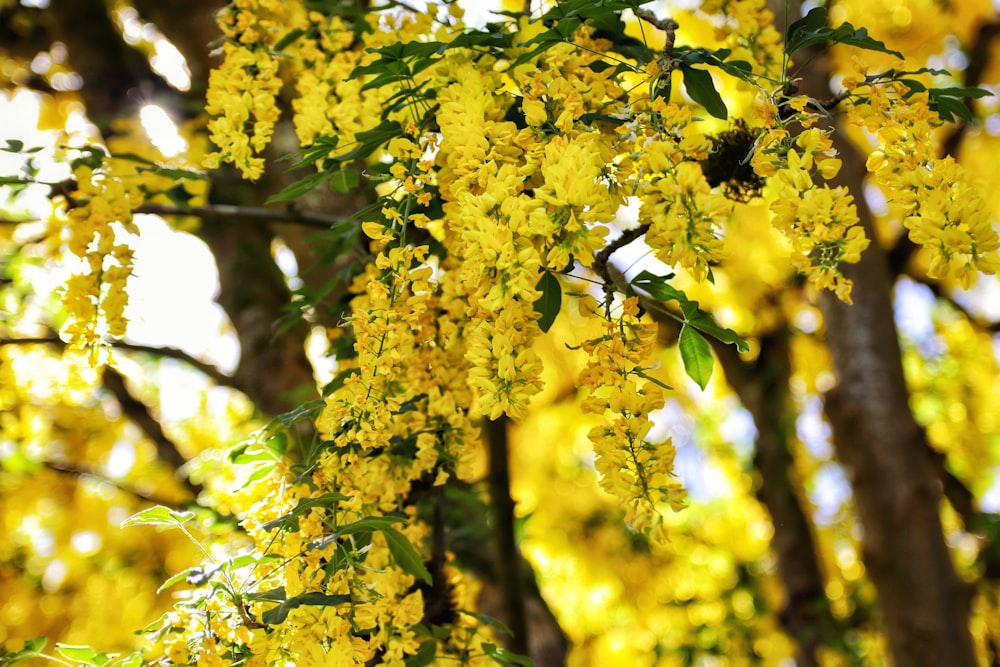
459	203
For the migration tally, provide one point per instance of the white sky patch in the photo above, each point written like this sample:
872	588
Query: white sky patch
990	502
167	60
161	130
287	264
85	542
55	574
913	310
120	460
171	295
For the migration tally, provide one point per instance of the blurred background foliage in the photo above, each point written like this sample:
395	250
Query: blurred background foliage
82	450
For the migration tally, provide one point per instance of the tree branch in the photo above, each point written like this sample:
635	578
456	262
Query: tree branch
137	411
603	257
667	25
78	470
508	556
168	352
132	408
229	213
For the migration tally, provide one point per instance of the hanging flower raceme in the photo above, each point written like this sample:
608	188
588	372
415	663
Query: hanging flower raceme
95	300
684	215
820	222
241	97
636	471
942	211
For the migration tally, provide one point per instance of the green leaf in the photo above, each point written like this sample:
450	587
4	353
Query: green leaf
304	505
948	107
131	660
369	140
273	595
948	101
13	146
280	613
562	31
485	619
177	578
31	649
35	645
239	455
811	30
657	287
309	410
405	554
158	516
289	39
338	380
323	600
701	88
369	524
696	355
550	302
483	39
83	654
298	188
260	473
660	383
504	657
810	23
858	37
92	157
424	656
179	197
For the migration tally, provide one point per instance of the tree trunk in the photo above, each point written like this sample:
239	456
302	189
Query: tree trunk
897	490
924	604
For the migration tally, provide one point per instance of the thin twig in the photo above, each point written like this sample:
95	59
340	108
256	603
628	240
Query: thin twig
602	258
667	25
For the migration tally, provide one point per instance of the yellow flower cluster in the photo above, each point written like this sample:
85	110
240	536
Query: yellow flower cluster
942	211
749	30
95	300
820	222
635	471
241	97
329	101
684	215
242	90
519	201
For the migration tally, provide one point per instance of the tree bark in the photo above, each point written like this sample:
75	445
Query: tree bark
897	490
924	604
